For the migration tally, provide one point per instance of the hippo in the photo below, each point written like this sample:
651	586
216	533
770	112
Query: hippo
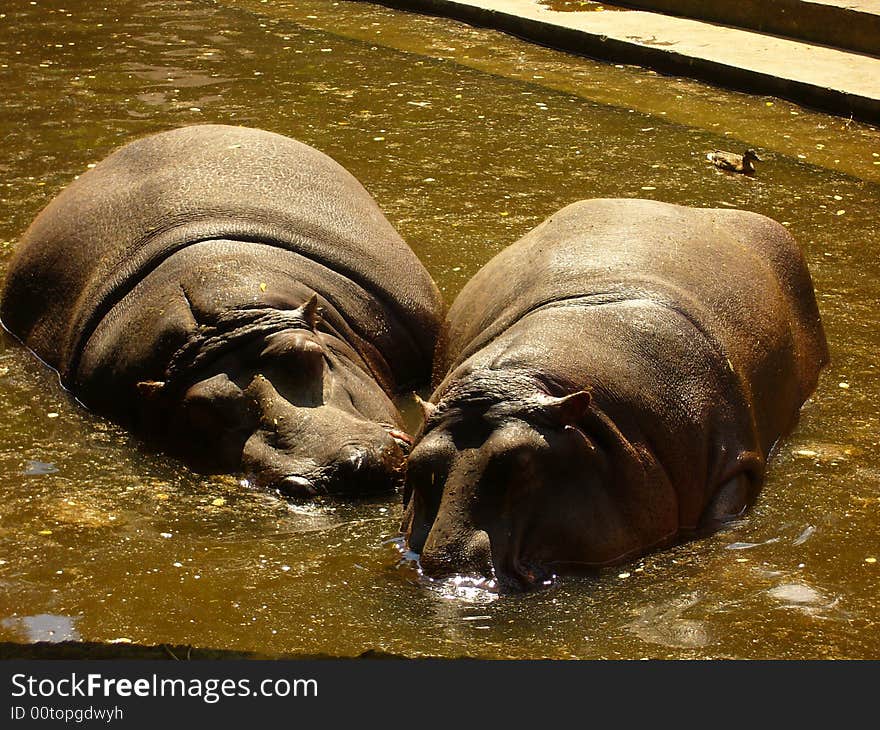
237	298
610	384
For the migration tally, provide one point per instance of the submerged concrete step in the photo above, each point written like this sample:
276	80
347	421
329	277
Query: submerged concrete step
825	78
849	24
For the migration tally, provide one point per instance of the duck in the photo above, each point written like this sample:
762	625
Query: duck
733	162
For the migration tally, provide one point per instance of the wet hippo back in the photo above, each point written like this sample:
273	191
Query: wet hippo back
156	195
739	278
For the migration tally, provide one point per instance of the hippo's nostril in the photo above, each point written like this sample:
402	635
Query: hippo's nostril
470	554
479	552
297	486
520	576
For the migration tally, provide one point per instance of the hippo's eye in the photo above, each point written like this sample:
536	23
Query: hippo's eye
514	465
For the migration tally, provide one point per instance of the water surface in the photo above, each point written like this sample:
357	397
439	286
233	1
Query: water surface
467	139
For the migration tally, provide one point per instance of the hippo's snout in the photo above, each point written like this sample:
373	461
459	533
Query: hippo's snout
470	554
475	554
367	469
453	541
351	470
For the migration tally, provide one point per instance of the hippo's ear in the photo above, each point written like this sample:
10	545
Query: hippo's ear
150	388
569	409
311	312
426	407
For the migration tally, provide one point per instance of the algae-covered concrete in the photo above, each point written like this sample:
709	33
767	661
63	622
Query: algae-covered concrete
829	79
67	650
850	24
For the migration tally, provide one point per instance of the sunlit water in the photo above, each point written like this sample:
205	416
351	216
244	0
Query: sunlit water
467	139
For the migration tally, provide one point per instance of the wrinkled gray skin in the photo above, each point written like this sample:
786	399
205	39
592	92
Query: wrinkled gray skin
611	383
237	295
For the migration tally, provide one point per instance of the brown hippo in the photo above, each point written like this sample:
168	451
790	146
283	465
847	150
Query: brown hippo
238	295
611	383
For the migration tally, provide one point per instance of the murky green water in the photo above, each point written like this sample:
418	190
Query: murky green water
467	139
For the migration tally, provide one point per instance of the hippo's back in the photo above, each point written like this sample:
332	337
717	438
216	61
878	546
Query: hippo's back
156	195
738	277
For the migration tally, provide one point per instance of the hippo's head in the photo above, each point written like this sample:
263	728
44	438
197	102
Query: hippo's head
507	480
267	392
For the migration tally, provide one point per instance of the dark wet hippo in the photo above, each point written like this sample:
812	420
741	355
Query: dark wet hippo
238	294
611	383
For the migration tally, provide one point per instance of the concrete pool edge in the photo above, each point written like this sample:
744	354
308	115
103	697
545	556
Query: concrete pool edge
847	24
110	651
839	82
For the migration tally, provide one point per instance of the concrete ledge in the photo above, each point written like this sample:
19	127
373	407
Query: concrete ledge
67	650
849	24
823	78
